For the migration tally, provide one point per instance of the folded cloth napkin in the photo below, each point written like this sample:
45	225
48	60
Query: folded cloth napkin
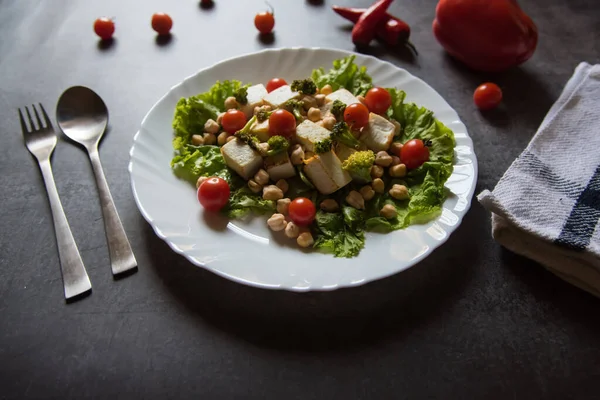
547	205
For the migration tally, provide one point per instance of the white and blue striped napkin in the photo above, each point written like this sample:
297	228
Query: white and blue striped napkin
547	205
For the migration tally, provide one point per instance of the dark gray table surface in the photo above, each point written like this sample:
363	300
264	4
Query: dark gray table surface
471	321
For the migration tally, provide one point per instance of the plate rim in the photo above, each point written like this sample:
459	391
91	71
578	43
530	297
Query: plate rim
450	229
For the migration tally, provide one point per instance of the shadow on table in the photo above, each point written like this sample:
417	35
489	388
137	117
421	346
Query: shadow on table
324	321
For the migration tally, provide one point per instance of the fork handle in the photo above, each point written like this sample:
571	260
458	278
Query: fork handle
121	255
75	277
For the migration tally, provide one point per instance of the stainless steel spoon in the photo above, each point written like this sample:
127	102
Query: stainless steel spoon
83	117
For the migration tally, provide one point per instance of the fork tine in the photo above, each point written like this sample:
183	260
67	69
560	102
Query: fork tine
33	128
23	124
37	116
46	119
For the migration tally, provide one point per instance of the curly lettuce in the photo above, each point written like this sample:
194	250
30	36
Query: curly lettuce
344	74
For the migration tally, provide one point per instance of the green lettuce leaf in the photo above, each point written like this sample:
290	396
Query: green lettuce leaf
243	202
197	161
344	74
342	233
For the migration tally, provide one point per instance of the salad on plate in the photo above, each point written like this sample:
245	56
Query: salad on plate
326	158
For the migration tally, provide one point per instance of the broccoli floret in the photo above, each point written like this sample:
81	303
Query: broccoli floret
323	146
241	95
247	137
263	115
304	86
341	133
337	109
359	165
277	144
295	106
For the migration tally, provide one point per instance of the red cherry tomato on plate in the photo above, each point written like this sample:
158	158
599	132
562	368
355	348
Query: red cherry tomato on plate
162	23
104	27
356	115
233	121
213	194
282	123
487	96
275	83
414	153
302	211
378	100
264	22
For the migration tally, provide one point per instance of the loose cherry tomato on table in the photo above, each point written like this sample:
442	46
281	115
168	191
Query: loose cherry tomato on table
275	83
356	115
378	100
414	153
265	21
104	27
162	23
302	211
487	96
213	194
233	121
282	123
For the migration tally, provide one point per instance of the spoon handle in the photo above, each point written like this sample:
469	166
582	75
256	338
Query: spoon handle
121	255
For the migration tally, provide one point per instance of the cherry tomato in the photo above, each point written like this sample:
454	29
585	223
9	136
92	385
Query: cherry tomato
356	115
104	27
275	83
378	100
282	123
233	121
162	23
302	211
264	22
487	96
213	193
414	153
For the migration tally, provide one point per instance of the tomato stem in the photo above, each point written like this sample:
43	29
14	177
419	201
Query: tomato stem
427	143
270	7
411	46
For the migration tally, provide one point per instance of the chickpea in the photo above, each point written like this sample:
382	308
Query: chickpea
309	102
388	211
261	177
326	90
399	192
272	192
329	122
395	160
292	230
376	171
230	138
395	148
277	222
210	139
314	114
356	200
255	187
230	103
361	99
200	180
367	192
398	171
305	239
222	138
397	127
383	159
220	118
378	185
211	126
197	140
329	205
283	185
263	148
297	156
283	206
320	98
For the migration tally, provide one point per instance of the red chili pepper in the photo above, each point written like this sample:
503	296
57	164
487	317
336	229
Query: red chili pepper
366	26
390	30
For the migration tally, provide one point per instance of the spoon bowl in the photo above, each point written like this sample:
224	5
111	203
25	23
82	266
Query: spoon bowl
82	115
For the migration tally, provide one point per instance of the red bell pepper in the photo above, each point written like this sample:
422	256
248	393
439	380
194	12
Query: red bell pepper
486	35
366	26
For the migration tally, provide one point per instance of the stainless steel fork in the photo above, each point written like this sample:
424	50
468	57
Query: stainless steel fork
40	141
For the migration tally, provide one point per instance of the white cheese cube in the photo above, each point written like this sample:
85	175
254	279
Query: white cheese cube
308	133
378	134
342	95
279	167
261	130
279	96
255	97
241	158
343	151
326	173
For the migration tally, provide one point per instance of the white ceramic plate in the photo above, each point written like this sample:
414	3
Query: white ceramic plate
248	252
